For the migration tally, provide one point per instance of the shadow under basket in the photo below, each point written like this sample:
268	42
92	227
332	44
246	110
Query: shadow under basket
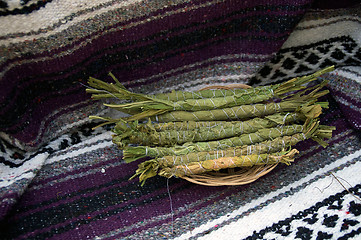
231	176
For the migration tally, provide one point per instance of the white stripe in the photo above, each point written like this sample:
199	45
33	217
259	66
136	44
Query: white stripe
84	149
13	4
347	74
281	209
9	175
313	23
64	129
308	36
52	14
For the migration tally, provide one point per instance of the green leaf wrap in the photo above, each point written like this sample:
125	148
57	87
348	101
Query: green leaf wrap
228	162
149	137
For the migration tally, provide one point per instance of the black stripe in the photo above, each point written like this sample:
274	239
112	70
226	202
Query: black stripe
26	9
3	4
300	52
345	40
279	227
85	130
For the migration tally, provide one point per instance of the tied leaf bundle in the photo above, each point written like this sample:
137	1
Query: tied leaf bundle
146	134
185	156
229	162
142	106
190	133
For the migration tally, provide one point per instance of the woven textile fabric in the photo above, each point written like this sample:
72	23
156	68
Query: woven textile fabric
60	179
49	51
306	51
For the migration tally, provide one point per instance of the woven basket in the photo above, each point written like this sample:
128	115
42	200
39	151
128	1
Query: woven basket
231	177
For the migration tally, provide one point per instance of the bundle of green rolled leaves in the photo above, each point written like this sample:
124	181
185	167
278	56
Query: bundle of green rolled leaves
187	133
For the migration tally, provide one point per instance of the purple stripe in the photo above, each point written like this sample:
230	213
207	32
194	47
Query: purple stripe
346	97
54	65
224	9
352	115
107	40
191	57
77	197
78	184
78	171
31	129
34	126
253	47
127	218
225	192
4	209
29	133
235	47
199	18
207	64
98	45
47	106
127	215
5	206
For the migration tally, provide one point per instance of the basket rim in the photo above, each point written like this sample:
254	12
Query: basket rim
241	177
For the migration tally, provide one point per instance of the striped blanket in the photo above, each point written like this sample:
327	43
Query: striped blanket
59	179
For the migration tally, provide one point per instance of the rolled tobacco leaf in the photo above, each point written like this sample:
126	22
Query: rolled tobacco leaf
276	90
248	139
101	89
186	125
279	144
301	104
134	153
147	135
228	162
313	130
270	146
279	118
239	112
